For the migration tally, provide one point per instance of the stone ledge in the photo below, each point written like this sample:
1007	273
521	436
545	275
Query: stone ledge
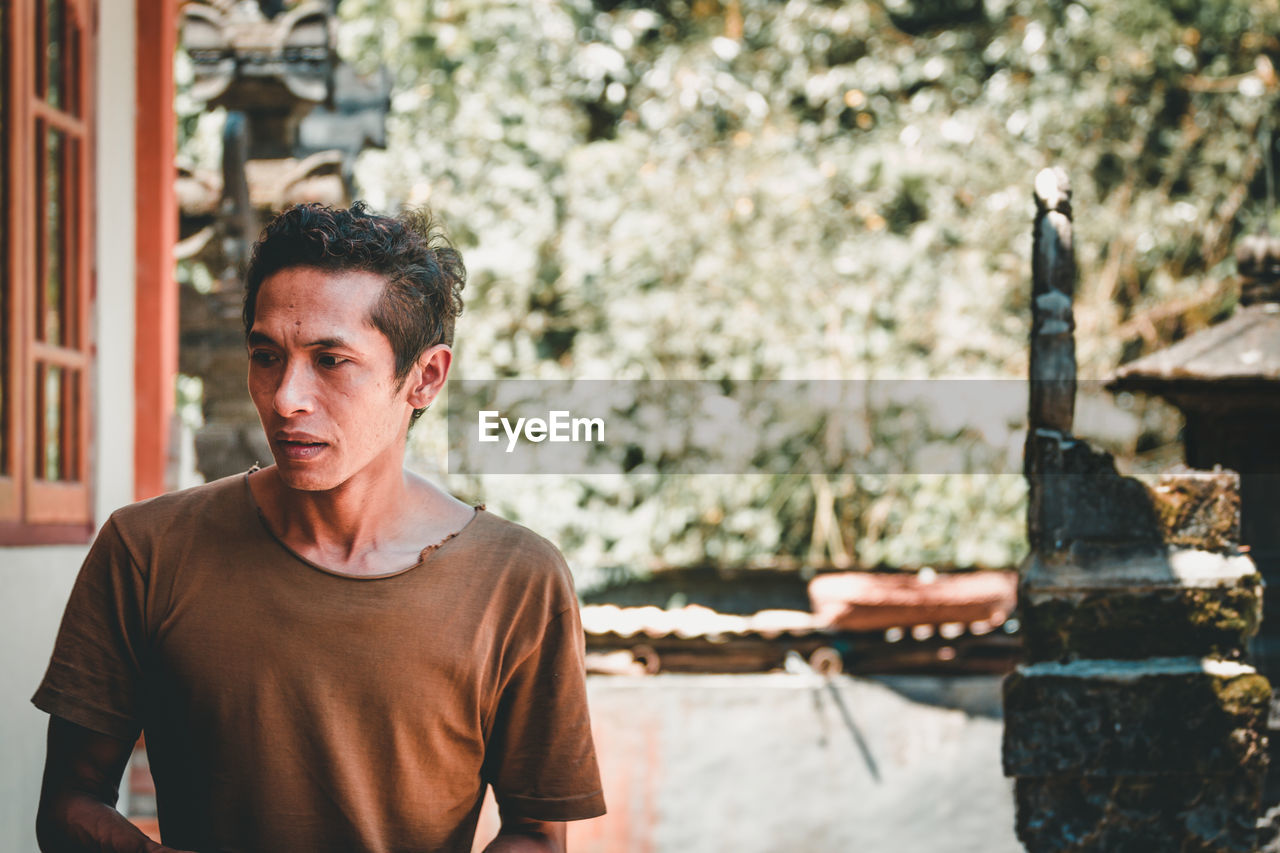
1141	623
1135	718
1159	567
1124	670
1214	814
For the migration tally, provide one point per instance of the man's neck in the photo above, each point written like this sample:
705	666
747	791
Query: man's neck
367	526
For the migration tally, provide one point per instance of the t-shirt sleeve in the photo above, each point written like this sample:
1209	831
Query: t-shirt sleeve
540	757
94	675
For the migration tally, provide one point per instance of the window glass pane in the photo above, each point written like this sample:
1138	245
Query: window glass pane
70	425
51	321
50	421
72	65
73	262
54	48
40	28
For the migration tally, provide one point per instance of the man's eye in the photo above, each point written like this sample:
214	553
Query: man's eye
332	360
262	357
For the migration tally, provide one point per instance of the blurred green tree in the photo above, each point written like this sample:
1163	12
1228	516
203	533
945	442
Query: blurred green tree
754	189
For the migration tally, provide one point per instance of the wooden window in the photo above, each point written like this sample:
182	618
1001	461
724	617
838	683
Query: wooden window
45	269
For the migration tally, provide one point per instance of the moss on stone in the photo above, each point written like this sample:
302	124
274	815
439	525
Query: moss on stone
1244	695
1200	509
1152	623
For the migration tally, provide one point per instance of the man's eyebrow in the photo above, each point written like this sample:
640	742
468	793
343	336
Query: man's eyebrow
261	339
327	343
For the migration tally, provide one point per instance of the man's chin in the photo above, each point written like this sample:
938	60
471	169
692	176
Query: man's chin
305	481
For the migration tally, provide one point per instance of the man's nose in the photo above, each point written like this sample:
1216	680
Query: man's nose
295	393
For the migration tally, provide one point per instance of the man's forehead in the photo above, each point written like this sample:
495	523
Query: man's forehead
314	309
306	291
353	280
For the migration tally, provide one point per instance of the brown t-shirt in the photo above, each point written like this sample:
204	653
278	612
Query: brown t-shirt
287	707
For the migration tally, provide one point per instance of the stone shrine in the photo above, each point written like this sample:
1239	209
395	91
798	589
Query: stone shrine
296	119
1135	723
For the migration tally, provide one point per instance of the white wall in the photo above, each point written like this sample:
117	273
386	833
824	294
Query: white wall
34	582
113	380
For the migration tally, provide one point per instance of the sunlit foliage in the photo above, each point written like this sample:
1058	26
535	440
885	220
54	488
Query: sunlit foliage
763	189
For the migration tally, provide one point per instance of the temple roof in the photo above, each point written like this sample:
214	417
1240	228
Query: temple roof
1243	349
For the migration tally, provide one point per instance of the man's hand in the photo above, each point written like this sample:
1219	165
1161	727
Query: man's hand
523	835
81	785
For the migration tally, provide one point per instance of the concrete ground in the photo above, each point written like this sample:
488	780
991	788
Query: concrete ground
783	762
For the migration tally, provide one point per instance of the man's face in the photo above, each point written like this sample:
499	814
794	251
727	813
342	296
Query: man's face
323	379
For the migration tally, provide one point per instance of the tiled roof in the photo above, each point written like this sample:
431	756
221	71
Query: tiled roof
692	620
969	602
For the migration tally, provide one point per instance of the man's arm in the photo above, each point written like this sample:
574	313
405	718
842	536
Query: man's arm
524	835
77	811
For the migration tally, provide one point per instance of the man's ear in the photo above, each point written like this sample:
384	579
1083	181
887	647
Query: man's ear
427	377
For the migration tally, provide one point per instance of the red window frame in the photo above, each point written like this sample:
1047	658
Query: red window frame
46	352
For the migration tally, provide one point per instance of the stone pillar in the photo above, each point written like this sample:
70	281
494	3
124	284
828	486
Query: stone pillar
1134	724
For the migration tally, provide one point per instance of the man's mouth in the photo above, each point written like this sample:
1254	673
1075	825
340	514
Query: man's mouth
299	447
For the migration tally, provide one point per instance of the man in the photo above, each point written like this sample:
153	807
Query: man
328	654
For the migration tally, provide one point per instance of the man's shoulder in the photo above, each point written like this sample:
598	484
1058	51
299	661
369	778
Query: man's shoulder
178	511
512	536
518	552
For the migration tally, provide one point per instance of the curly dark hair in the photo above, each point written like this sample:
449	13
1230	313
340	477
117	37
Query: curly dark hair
424	273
